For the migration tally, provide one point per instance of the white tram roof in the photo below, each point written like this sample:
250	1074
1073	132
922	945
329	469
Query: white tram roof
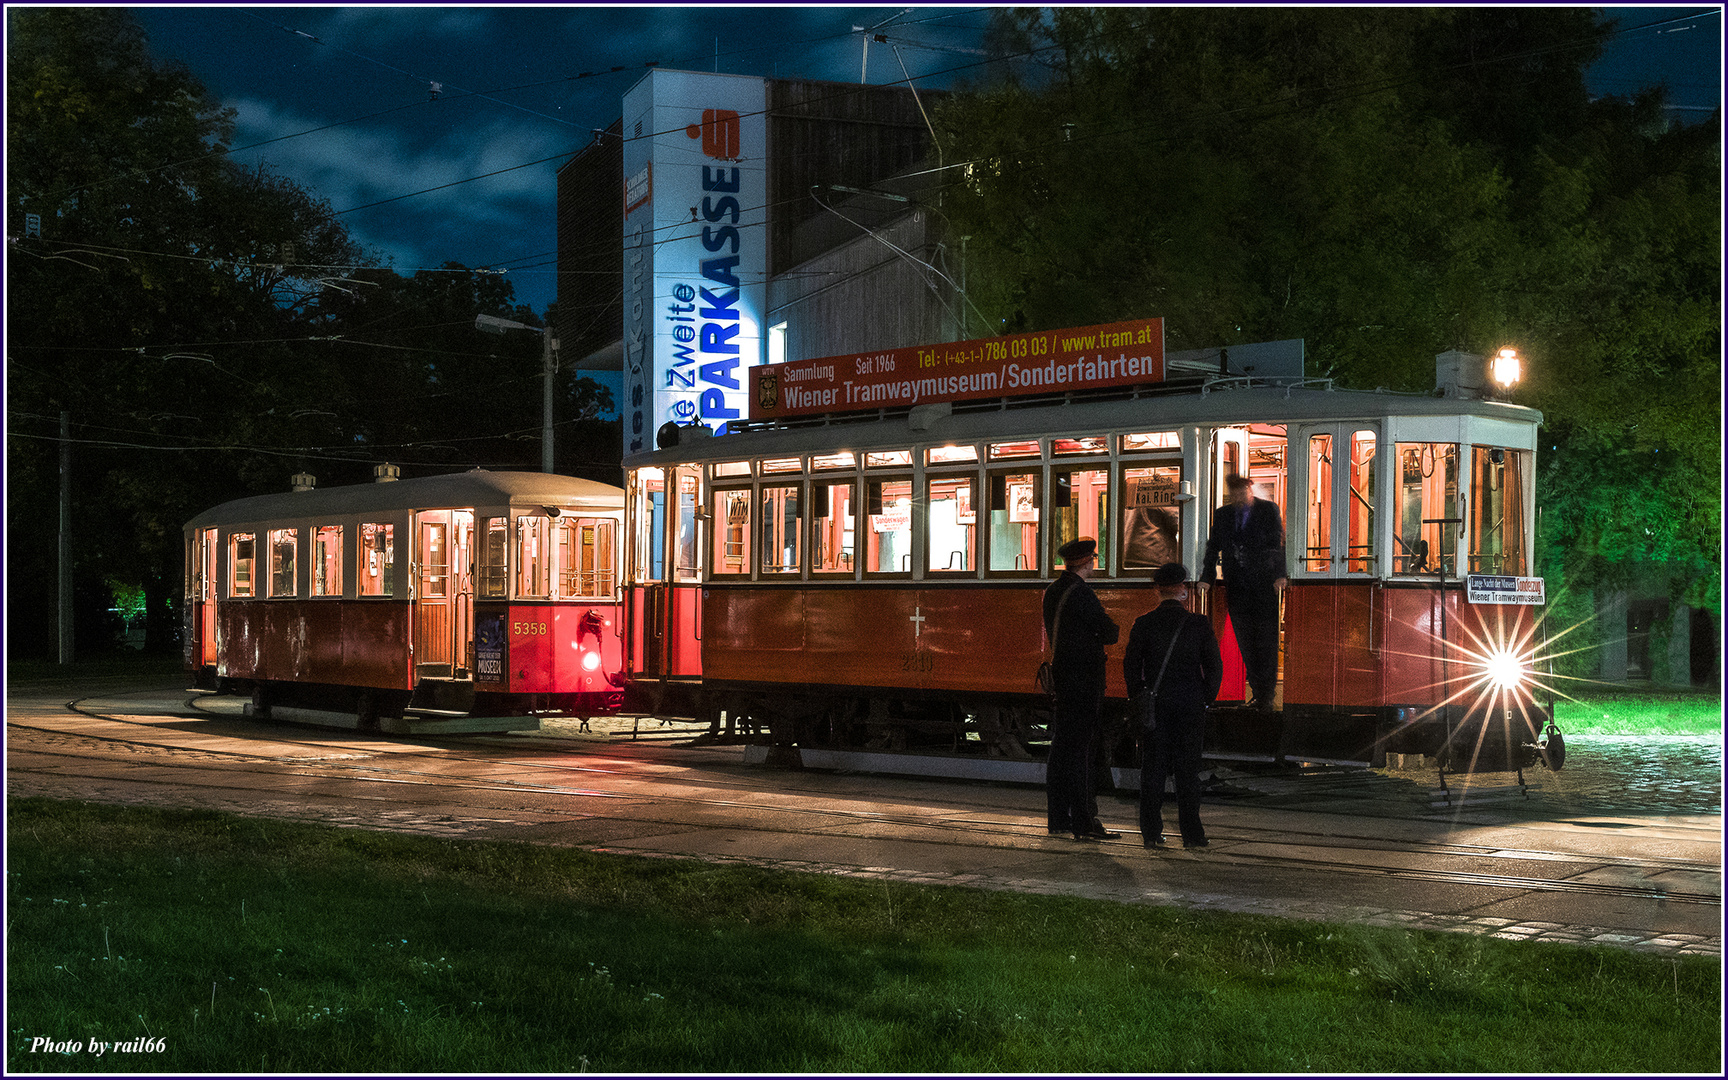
1405	417
475	488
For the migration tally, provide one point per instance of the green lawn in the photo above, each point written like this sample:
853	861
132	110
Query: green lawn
245	945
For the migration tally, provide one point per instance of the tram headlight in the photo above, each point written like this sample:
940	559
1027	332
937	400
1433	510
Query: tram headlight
1505	670
1506	369
590	661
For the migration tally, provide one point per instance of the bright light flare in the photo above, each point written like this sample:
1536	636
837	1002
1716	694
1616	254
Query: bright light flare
590	661
1505	670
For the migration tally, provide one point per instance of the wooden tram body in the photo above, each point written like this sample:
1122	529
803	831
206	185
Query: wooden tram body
874	582
465	602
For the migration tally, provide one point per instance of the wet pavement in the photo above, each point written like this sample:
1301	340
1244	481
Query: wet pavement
1622	848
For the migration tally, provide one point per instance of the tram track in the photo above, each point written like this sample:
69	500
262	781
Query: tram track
965	819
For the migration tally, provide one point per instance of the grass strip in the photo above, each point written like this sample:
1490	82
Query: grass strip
195	941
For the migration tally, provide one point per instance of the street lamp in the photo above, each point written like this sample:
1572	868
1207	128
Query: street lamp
491	324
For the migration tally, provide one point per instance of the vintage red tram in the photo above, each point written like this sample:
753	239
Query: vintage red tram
471	601
872	581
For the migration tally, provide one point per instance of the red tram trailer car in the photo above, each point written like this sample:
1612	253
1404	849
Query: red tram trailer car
871	580
467	602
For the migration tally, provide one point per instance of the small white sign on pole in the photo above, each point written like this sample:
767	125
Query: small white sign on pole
1493	589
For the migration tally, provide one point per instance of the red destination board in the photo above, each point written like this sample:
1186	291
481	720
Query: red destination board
1045	362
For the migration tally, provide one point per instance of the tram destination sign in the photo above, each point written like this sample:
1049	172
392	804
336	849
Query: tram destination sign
1493	589
1046	362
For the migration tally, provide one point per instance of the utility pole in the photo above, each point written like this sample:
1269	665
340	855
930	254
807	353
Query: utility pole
491	324
65	619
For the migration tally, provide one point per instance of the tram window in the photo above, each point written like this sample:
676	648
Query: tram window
888	545
533	572
1359	551
731	532
732	468
1088	444
434	559
845	459
1079	502
883	459
377	558
777	466
686	562
1497	479
648	554
953	522
1151	517
240	562
586	566
284	556
1317	555
327	560
494	557
1152	440
1014	520
832	525
1427	489
781	522
1006	451
950	455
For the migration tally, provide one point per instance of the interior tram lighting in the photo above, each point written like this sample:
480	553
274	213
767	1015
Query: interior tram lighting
1506	368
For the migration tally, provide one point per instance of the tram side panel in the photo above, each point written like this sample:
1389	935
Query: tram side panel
329	642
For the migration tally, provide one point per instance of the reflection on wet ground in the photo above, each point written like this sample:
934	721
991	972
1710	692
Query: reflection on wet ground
1603	775
1674	774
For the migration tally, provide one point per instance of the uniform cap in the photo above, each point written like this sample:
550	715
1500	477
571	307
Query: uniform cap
1077	550
1171	573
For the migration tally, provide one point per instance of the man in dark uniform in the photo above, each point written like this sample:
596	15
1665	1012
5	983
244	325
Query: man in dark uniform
1249	535
1078	629
1187	686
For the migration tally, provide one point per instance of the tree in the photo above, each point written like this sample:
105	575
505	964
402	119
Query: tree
1387	184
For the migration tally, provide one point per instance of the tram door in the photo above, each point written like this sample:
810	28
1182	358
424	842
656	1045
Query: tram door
444	593
665	587
1229	458
205	591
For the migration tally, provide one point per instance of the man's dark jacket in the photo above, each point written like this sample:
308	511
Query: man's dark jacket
1191	681
1253	555
1084	630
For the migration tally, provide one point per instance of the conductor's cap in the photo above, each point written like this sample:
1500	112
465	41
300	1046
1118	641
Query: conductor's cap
1078	550
1171	573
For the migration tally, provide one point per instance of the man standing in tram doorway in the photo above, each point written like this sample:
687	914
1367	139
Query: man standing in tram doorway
1173	652
1078	629
1248	534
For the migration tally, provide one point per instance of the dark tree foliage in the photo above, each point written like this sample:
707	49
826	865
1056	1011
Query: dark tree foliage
211	330
1387	184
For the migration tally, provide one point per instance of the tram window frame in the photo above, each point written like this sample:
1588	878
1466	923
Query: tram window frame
1322	457
686	541
1060	496
243	565
782	495
823	523
731	469
493	557
647	556
376	578
284	549
1360	534
1013	491
532	538
1079	446
1510	502
723	502
587	565
950	454
1017	450
888	459
1168	442
1129	498
326	561
1440	559
870	509
939	559
840	460
791	466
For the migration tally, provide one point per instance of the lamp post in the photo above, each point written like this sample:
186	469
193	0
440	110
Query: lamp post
491	324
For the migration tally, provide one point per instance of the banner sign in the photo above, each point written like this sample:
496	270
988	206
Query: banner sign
1046	362
695	249
1489	589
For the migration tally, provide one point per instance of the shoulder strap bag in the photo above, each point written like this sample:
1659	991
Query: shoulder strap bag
1047	677
1146	705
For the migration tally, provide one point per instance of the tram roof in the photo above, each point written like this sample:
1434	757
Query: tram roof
475	488
1082	415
